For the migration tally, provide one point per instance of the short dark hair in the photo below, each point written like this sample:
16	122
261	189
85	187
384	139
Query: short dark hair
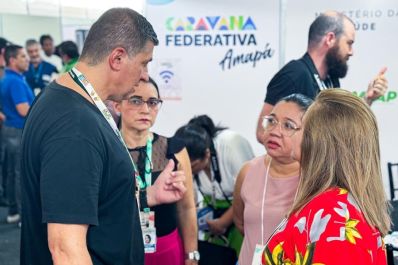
45	37
300	100
196	140
117	27
3	43
325	23
11	51
69	48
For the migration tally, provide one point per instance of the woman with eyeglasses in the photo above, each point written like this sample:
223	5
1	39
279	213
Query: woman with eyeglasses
340	212
173	227
266	186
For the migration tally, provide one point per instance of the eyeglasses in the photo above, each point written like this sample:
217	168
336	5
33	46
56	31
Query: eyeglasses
287	127
152	103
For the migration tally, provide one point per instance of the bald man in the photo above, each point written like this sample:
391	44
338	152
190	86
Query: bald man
330	40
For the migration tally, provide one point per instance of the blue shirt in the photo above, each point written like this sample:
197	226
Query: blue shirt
40	77
14	91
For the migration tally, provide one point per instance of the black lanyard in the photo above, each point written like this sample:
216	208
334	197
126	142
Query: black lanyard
216	171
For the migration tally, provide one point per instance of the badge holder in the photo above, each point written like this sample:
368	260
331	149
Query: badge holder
148	230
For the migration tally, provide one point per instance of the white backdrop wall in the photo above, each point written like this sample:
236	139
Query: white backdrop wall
374	47
199	82
19	28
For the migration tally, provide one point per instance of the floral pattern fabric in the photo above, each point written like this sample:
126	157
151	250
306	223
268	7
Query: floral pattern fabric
330	229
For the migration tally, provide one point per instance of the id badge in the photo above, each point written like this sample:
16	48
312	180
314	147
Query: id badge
149	237
148	231
203	215
147	219
257	256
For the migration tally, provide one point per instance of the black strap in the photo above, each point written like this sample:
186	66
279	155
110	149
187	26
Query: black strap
310	65
216	170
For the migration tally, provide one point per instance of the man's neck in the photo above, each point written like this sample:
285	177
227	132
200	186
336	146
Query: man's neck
96	76
36	64
15	69
319	60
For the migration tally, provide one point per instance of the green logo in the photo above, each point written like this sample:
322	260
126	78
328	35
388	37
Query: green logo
389	96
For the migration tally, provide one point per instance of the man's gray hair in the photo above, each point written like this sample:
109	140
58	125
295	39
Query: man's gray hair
31	42
117	27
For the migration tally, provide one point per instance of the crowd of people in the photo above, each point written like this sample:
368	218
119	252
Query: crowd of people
26	71
98	186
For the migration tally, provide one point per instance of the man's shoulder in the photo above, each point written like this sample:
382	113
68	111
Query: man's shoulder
57	100
295	69
12	80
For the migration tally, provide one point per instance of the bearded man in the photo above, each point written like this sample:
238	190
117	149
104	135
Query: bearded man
330	40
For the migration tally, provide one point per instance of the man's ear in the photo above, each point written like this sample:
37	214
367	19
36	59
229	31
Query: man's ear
330	39
116	106
116	58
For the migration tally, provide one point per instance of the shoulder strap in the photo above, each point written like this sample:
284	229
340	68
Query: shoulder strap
216	169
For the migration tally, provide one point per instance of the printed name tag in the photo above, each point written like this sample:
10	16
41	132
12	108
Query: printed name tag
204	214
148	231
149	237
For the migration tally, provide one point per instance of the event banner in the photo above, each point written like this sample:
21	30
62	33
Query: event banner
374	48
214	58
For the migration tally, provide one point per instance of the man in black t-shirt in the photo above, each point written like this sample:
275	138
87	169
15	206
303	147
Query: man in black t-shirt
78	184
330	41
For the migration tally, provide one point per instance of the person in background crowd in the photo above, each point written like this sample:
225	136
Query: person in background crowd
340	212
79	183
266	186
69	53
40	73
16	99
330	45
3	44
3	200
210	148
175	223
48	51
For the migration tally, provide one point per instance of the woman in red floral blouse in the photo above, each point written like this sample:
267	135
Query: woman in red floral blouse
340	213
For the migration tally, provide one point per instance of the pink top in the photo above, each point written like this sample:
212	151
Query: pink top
279	198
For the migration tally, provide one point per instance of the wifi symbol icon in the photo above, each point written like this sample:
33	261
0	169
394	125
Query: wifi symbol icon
166	75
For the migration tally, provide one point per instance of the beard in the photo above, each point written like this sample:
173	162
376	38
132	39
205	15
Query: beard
336	63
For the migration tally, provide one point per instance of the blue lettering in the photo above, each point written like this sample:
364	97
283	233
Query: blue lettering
249	24
187	40
213	21
242	41
227	60
198	40
206	40
168	39
177	40
217	41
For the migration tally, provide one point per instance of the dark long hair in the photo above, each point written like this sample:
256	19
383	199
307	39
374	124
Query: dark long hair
206	123
196	140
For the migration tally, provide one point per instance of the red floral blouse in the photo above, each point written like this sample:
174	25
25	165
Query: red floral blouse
330	229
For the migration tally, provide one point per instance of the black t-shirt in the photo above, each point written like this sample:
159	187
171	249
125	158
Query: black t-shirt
297	76
76	171
163	149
